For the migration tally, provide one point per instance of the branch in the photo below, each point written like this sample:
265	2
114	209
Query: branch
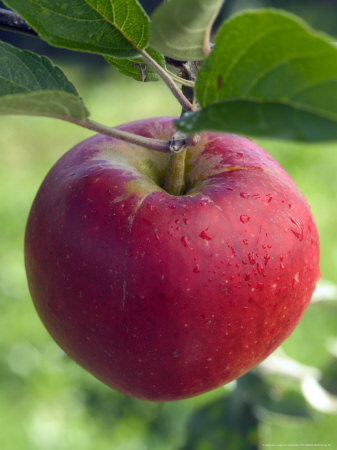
10	21
153	144
173	145
180	80
168	80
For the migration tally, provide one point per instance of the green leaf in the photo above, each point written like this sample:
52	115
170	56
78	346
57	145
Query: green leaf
127	17
136	68
108	27
269	74
181	29
30	84
260	118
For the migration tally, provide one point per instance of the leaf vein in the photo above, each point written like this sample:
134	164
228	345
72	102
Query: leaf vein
278	65
240	55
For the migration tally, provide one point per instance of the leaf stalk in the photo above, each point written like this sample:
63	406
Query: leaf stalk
184	102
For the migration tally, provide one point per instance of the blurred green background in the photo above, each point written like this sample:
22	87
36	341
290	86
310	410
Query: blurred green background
48	403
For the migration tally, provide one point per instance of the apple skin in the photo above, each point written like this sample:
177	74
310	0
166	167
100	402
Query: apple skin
165	297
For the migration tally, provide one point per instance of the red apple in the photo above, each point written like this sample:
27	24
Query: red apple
164	297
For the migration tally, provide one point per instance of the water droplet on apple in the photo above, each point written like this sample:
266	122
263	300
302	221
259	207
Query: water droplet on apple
204	235
259	268
196	269
245	241
296	279
282	266
244	218
244	195
251	258
232	249
296	228
184	240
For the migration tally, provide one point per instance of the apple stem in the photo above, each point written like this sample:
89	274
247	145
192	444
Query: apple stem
175	175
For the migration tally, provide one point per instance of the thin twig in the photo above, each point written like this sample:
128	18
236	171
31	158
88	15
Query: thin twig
180	80
174	145
158	145
168	80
